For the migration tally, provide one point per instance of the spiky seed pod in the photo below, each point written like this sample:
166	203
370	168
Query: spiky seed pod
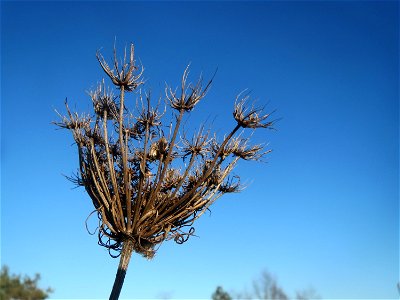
104	102
190	94
150	118
250	153
153	152
136	131
96	135
197	145
249	117
216	177
192	180
125	76
162	146
171	180
229	186
74	121
225	151
158	149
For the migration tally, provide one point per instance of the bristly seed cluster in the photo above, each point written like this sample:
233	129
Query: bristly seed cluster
147	185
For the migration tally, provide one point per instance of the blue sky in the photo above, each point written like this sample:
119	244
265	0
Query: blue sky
322	212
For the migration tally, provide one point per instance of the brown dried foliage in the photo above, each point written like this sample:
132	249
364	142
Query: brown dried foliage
146	185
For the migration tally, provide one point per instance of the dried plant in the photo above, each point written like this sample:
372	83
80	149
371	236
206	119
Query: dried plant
149	182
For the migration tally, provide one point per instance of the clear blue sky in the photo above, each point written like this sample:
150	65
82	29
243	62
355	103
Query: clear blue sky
322	212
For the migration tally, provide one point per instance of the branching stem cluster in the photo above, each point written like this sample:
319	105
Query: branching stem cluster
150	182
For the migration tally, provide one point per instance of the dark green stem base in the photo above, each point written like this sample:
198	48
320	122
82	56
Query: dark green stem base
126	254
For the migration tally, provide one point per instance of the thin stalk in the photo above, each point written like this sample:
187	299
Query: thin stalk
125	161
168	158
102	184
126	253
138	201
191	162
112	172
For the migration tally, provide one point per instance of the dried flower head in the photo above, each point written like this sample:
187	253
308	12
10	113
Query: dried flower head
104	103
124	76
190	94
250	117
146	185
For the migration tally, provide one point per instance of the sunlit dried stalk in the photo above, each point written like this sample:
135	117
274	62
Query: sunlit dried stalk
146	185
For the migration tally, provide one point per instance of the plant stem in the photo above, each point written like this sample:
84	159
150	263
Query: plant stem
126	254
124	148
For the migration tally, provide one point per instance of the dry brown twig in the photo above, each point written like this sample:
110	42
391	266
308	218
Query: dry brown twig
146	186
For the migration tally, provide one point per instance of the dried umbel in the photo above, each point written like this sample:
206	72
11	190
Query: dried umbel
148	181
